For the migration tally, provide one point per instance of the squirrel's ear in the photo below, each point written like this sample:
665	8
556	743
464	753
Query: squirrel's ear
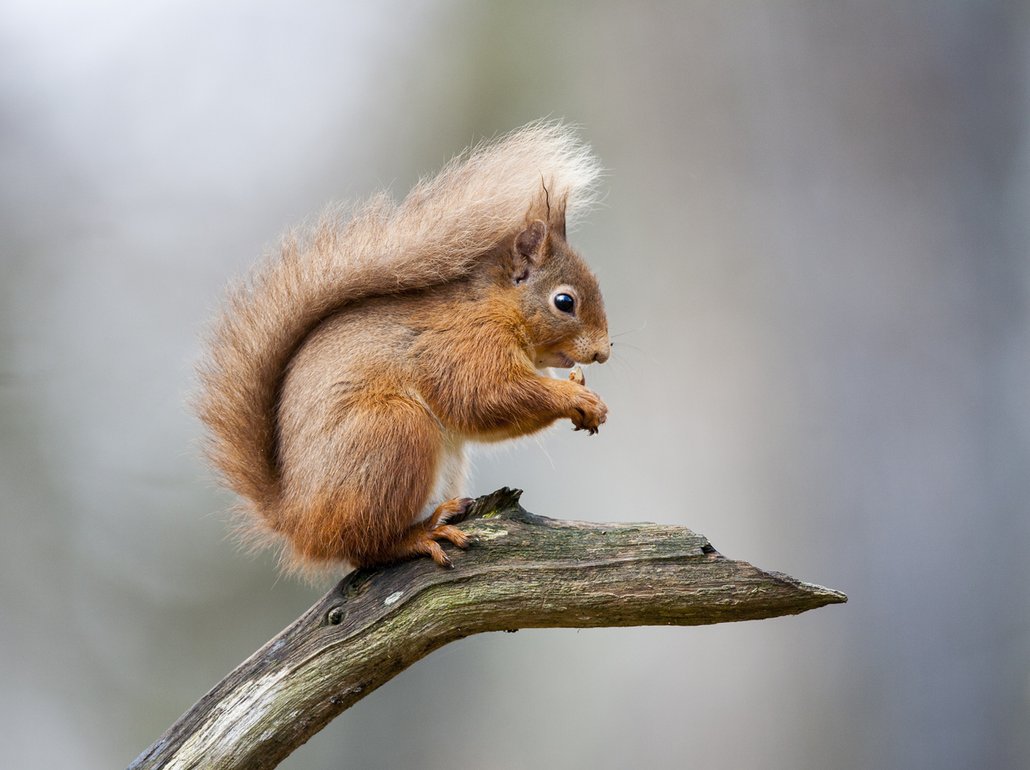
529	250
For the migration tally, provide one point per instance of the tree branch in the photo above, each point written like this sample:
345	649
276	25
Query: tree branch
522	571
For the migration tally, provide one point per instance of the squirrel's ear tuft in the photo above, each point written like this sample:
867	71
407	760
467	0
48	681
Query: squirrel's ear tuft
530	246
557	222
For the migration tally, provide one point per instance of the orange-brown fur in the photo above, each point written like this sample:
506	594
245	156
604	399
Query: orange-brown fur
345	379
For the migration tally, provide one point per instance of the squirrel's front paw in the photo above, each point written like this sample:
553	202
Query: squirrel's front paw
588	411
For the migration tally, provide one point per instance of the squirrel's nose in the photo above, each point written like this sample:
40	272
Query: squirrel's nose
602	355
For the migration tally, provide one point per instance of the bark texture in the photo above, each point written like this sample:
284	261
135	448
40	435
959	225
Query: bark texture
522	571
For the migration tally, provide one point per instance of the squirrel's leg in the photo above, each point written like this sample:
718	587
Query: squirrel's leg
452	471
356	487
403	442
504	396
527	402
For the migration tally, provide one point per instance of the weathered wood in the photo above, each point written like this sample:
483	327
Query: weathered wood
522	571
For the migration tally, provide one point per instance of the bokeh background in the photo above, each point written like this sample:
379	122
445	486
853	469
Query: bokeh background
815	251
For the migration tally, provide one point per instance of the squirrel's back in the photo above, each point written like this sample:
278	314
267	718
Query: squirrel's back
435	235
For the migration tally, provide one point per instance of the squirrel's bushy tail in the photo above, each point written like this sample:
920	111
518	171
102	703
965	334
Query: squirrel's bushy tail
434	236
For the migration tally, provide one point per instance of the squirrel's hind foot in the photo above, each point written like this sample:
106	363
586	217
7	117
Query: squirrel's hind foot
422	539
423	542
453	511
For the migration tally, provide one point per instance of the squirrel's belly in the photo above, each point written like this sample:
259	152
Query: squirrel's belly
450	473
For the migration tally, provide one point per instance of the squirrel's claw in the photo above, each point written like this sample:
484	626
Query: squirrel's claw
590	414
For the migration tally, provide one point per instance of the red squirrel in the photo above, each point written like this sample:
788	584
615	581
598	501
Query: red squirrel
345	378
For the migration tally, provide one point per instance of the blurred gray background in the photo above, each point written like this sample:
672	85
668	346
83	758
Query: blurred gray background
814	248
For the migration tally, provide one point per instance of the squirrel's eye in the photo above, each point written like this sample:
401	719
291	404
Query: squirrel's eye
564	302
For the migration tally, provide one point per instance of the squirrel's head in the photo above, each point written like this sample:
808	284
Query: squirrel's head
559	296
